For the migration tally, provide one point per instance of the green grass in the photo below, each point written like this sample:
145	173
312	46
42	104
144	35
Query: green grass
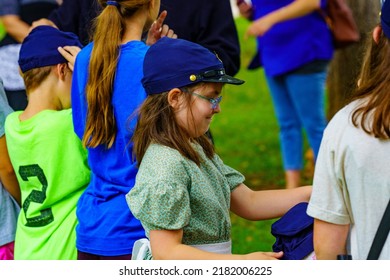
246	131
2	31
246	137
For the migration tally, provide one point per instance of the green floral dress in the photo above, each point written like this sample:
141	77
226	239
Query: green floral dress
172	192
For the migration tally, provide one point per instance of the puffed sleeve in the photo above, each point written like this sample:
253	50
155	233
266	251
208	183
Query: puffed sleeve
160	198
234	178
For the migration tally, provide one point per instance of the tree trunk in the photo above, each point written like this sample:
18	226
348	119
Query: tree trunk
345	66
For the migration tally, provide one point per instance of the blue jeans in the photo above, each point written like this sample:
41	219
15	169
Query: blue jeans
299	104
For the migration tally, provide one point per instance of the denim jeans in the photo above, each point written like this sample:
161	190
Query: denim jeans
299	105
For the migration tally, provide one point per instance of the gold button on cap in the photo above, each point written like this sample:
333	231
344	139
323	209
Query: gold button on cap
193	78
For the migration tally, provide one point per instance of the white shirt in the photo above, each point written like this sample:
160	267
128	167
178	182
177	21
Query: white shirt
352	182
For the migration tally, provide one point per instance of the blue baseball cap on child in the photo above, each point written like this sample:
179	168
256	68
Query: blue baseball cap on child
174	63
39	48
385	18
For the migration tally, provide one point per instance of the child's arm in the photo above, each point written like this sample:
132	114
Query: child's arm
266	204
7	173
167	245
15	27
295	9
329	240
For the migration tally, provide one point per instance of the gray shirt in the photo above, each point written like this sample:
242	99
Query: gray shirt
9	209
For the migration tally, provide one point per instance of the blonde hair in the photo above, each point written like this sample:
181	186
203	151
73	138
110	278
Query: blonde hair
109	28
157	124
374	87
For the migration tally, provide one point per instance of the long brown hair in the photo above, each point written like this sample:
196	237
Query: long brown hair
109	28
373	114
157	124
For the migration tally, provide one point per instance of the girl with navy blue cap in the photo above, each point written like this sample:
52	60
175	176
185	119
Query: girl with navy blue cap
183	190
351	187
106	90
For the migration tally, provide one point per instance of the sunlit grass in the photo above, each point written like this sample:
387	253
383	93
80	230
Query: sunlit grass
2	31
246	131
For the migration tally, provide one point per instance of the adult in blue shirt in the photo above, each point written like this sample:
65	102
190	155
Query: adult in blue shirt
295	46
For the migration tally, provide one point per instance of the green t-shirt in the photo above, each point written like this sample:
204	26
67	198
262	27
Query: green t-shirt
172	192
51	167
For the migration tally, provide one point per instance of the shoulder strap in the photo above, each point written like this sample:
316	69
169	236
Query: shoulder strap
380	236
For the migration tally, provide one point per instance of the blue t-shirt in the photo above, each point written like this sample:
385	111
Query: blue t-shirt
106	225
293	43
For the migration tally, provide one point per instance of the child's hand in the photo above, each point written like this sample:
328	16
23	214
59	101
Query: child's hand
159	30
263	256
259	27
69	53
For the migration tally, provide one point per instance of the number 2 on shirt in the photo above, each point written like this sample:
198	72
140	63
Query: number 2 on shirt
36	196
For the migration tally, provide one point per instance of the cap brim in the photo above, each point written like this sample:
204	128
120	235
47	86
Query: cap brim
226	79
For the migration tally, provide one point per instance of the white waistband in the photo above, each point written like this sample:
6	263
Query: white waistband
219	248
142	251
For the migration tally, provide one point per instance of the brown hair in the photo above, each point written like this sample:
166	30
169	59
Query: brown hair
374	89
157	124
109	27
34	77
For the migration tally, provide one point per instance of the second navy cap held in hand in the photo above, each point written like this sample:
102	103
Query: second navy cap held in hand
174	63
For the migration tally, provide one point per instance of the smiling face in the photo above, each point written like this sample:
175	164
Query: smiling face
194	107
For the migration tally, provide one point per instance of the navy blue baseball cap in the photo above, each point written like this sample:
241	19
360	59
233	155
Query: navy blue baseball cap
385	18
39	48
174	63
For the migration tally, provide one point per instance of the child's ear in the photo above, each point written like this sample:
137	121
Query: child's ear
174	98
62	70
377	33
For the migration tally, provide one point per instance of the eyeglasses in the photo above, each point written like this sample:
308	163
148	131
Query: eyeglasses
214	101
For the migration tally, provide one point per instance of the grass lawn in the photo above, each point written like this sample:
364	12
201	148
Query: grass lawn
246	138
2	31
